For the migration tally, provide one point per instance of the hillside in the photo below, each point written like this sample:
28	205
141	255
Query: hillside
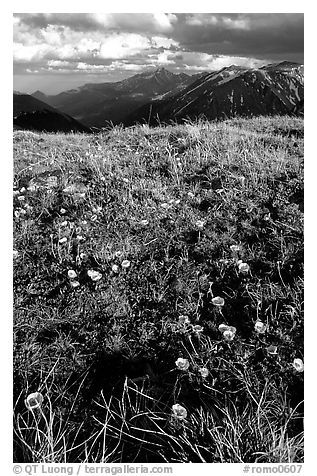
33	114
158	294
232	91
26	103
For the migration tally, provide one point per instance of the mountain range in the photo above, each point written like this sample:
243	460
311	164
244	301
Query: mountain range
232	91
162	96
95	104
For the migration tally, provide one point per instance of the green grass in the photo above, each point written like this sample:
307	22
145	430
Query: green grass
170	200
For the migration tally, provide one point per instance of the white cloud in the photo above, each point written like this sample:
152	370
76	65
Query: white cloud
225	22
90	67
162	41
59	64
236	24
114	66
123	46
130	21
199	19
164	58
29	53
102	19
88	44
51	35
204	62
165	20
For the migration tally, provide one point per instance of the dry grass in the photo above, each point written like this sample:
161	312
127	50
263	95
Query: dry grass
171	201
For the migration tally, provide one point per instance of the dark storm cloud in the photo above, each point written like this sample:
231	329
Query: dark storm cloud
255	34
86	22
252	35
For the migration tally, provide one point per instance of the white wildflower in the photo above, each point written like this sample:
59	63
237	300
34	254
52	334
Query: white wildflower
94	275
75	284
183	320
33	401
179	412
125	264
200	224
298	365
229	334
182	364
272	350
204	372
218	301
244	268
223	327
115	268
260	327
197	328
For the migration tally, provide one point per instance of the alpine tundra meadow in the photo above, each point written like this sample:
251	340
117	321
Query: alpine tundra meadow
158	258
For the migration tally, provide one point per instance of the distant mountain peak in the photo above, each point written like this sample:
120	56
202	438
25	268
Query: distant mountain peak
233	67
39	95
160	69
289	63
283	65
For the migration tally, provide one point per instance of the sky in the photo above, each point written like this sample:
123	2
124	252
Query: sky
54	52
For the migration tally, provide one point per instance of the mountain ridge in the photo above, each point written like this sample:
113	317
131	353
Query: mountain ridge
276	88
231	91
32	113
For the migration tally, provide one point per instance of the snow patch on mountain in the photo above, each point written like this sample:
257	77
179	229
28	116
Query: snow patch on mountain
294	88
231	75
